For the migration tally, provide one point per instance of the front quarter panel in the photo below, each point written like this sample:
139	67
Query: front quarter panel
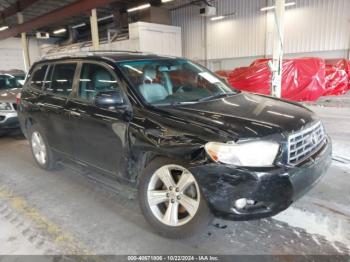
156	134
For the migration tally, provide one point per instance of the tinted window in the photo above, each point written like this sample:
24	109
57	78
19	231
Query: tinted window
38	77
62	79
48	78
8	81
94	79
20	79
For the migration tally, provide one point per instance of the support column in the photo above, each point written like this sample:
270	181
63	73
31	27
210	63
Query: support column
205	36
278	48
94	30
24	43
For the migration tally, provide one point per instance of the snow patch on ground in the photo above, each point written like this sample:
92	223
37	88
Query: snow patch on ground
313	224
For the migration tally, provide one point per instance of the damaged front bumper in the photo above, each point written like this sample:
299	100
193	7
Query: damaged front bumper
238	193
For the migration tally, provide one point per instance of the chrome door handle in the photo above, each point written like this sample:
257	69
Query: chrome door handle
73	113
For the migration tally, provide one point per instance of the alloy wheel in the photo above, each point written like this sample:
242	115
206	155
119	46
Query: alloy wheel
173	195
39	148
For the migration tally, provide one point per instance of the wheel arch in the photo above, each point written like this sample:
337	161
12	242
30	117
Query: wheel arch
141	159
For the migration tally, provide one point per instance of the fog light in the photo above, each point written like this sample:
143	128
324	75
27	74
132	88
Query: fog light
250	202
241	203
244	203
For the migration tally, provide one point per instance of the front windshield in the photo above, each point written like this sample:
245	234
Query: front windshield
8	81
20	79
173	81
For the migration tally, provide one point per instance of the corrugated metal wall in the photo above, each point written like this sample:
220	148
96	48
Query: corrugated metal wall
11	53
318	25
310	26
192	38
239	35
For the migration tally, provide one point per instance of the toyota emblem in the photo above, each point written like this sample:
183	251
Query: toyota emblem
314	139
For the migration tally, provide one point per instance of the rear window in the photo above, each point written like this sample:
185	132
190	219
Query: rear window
8	81
38	77
62	79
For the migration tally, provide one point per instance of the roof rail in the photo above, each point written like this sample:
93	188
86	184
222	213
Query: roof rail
116	51
85	53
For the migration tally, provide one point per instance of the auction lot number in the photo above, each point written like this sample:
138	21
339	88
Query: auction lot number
173	258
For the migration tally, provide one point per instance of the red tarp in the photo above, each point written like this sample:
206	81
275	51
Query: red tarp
223	73
341	63
336	81
303	79
337	76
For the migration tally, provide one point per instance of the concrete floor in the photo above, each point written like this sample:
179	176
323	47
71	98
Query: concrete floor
64	213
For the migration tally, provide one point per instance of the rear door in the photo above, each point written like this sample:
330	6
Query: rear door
57	88
100	135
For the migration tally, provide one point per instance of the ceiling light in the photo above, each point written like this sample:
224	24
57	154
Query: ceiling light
166	1
220	17
290	4
273	7
59	31
79	25
105	18
4	28
217	18
140	7
267	8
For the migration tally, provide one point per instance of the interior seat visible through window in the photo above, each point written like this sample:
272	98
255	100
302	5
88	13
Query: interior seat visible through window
150	90
95	79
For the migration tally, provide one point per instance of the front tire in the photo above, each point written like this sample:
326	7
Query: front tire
171	200
41	151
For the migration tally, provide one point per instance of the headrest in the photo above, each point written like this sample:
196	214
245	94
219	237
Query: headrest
149	74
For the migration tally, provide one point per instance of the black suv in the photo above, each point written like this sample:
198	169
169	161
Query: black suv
191	144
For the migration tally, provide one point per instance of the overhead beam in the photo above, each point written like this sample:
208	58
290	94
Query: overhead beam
55	16
13	9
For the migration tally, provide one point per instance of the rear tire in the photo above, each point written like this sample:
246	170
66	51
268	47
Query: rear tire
41	150
189	213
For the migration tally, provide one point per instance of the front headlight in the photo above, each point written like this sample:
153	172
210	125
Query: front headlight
5	106
253	153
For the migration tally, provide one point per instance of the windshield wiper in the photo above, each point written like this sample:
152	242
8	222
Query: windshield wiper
214	97
175	103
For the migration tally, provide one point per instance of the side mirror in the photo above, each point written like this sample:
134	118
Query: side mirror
109	100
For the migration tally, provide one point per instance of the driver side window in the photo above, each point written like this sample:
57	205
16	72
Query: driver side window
94	79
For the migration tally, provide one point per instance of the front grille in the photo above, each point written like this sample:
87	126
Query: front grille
305	143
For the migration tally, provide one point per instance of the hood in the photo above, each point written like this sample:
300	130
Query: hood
246	115
9	95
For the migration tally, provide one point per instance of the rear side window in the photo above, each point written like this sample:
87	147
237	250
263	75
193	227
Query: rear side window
47	81
61	79
38	77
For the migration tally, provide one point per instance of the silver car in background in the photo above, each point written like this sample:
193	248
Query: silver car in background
11	83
